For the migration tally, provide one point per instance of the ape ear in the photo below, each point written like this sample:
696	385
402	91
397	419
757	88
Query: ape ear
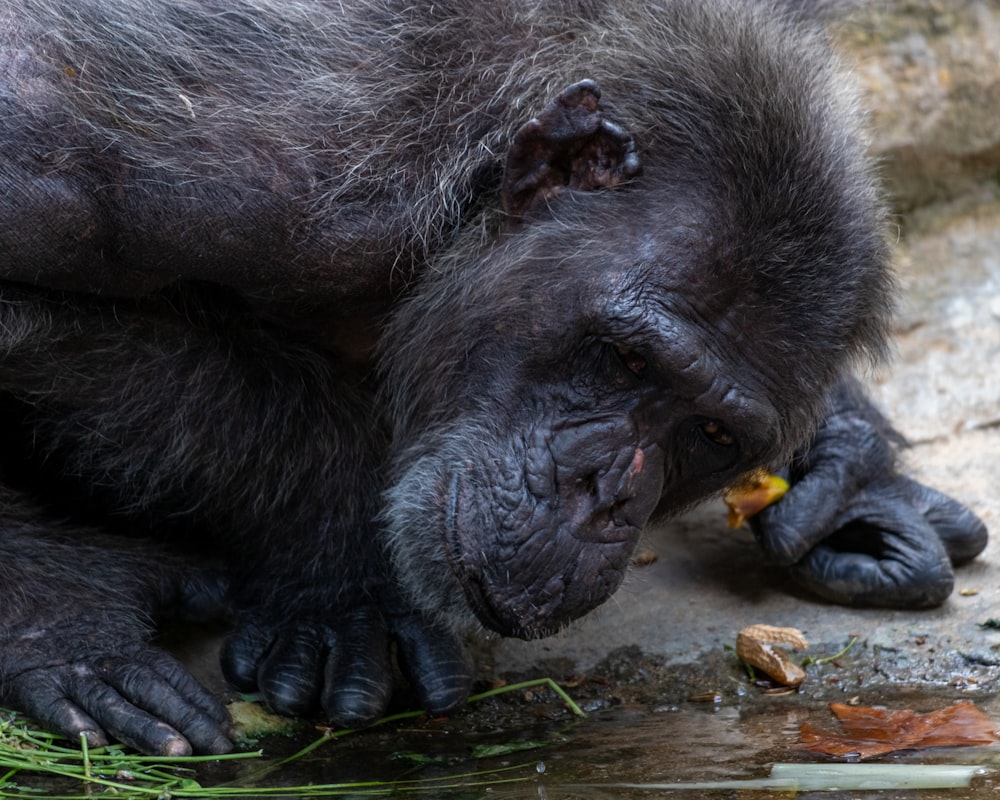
570	144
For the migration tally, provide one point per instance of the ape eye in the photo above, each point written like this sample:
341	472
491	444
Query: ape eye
716	433
633	362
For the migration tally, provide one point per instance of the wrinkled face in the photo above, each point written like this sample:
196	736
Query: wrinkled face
567	390
660	315
539	526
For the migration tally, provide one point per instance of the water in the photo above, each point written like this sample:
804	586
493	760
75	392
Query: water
585	759
529	747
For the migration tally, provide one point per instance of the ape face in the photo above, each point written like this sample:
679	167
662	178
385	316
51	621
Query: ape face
621	352
658	315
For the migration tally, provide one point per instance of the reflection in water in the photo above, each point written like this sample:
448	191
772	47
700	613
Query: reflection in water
566	759
505	752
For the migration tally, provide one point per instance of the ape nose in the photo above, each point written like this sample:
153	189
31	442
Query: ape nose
610	503
602	482
612	487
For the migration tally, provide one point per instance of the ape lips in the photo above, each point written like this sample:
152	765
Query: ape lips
568	549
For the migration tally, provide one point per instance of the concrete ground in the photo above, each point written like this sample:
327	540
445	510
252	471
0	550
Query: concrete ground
943	392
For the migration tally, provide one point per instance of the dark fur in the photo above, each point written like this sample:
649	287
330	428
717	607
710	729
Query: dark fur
210	213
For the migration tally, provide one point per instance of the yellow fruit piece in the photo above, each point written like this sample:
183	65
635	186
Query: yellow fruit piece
757	491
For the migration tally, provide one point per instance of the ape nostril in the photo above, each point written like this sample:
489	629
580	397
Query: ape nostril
589	484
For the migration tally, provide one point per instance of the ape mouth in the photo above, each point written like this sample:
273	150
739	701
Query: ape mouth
485	611
468	579
530	585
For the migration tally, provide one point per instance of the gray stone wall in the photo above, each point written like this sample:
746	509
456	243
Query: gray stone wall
930	72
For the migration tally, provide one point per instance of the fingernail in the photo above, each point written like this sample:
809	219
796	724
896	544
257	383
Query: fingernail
177	747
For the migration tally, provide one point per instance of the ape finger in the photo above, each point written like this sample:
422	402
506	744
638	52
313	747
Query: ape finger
241	653
962	533
885	555
790	528
46	702
847	453
435	662
124	721
165	689
290	674
358	681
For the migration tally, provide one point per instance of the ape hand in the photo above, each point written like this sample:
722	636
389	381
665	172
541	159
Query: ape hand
854	530
343	666
106	684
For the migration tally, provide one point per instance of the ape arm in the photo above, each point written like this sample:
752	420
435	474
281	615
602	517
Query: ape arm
74	640
257	451
854	529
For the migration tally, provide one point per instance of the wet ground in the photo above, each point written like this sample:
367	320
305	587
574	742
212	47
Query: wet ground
528	746
686	743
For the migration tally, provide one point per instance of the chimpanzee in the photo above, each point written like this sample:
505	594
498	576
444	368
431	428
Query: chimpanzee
358	321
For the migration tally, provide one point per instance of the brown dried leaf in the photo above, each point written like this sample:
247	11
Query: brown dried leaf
871	732
756	492
755	646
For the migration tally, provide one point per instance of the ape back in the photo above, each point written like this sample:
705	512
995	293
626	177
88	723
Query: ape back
328	151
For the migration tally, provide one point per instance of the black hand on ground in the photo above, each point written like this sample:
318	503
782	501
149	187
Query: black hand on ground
139	695
855	531
344	668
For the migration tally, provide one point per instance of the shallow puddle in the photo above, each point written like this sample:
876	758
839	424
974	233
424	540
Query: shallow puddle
590	758
528	746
